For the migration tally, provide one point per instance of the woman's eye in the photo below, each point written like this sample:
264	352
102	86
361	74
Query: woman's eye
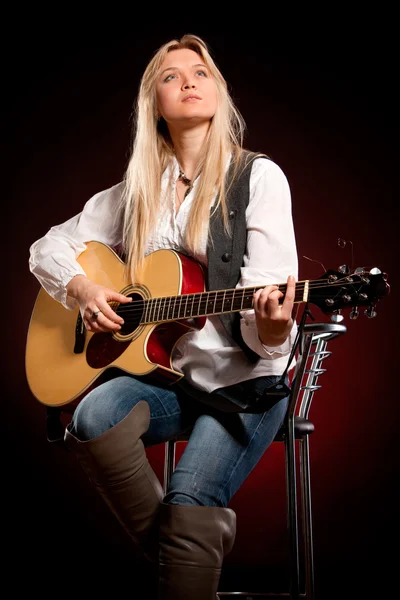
169	77
202	73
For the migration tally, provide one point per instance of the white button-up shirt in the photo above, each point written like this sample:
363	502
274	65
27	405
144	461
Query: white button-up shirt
208	358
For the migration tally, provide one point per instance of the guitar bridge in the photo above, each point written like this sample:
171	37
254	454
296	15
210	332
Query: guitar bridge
80	335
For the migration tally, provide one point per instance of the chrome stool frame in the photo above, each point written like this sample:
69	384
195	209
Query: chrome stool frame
296	426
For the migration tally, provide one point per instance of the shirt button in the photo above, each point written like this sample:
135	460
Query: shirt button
226	257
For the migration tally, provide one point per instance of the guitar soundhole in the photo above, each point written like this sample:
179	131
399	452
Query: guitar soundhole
131	313
103	348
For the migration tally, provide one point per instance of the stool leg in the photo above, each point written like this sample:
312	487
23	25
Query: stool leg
307	517
169	463
292	510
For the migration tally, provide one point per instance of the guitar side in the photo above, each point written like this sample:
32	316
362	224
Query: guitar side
56	375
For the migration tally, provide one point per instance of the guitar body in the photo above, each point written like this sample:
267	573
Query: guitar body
63	360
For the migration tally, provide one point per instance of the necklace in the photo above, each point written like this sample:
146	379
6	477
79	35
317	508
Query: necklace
185	194
183	178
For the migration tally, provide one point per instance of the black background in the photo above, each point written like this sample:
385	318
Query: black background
320	98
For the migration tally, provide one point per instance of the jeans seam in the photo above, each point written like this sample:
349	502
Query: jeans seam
242	455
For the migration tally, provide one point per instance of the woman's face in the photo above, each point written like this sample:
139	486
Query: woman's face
186	91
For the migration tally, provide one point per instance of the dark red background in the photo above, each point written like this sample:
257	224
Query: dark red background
324	107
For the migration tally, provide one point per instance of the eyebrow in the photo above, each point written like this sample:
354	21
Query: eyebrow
177	68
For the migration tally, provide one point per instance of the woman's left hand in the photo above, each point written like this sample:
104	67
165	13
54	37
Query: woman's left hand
274	319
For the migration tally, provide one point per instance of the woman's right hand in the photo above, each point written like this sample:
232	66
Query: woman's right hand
93	300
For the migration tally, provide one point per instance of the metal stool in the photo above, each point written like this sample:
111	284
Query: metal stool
296	426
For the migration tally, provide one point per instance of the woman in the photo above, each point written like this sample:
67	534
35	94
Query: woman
190	187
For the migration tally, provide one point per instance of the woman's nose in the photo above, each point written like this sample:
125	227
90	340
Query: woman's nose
188	82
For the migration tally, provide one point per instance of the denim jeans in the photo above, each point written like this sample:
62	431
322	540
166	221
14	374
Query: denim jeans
223	447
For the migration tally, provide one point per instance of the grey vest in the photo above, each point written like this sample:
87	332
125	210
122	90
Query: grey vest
225	252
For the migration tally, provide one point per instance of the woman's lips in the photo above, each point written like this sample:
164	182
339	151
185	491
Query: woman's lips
191	98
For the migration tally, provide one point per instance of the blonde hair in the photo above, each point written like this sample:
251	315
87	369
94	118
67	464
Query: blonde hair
152	151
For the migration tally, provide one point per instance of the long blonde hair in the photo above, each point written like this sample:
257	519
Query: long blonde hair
152	151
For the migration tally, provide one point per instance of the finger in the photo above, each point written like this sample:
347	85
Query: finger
117	297
108	315
290	292
107	322
274	304
105	299
95	313
107	309
92	325
91	314
124	299
99	321
261	296
268	300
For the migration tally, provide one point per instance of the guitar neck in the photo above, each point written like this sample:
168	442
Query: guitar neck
204	304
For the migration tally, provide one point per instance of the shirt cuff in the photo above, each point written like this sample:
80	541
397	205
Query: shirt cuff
250	336
281	350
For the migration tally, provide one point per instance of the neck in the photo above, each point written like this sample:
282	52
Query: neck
188	146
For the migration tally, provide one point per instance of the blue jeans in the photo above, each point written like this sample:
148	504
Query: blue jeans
223	447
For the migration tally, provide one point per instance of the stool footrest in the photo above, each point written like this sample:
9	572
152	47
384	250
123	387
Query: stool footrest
256	595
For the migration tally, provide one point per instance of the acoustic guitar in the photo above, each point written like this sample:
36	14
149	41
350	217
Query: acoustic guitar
63	359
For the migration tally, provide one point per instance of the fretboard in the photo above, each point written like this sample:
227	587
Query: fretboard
202	304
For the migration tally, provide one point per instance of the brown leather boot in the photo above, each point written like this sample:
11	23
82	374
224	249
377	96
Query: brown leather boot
193	543
116	463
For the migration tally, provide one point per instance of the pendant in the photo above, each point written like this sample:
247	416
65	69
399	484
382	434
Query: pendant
183	178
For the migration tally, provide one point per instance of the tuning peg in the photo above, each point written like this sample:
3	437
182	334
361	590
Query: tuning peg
370	312
337	317
344	269
354	313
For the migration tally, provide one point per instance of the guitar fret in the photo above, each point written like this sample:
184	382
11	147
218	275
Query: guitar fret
169	308
155	315
174	308
150	307
157	310
180	307
215	301
191	310
151	304
163	305
144	316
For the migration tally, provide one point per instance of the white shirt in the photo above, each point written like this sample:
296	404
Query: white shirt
208	358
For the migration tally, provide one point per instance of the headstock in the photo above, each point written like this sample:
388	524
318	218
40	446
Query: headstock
340	289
